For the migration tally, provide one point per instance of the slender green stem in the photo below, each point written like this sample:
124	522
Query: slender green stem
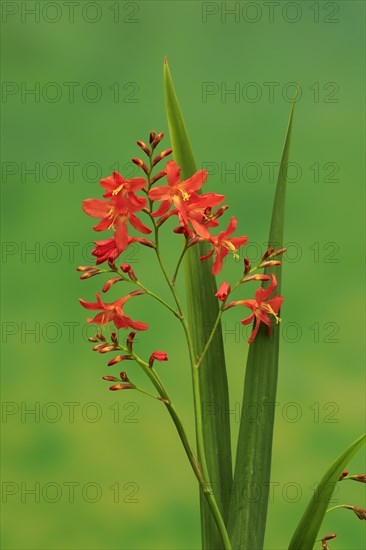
150	293
209	341
179	262
340	506
200	468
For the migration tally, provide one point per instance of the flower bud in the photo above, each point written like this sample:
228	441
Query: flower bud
129	341
126	268
141	164
247	266
279	252
121	387
268	253
152	136
158	356
161	156
157	140
223	292
144	147
110	378
118	359
270	263
123	376
158	176
343	475
114	338
111	282
257	277
107	349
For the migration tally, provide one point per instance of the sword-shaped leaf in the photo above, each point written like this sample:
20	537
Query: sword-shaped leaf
308	528
248	510
202	312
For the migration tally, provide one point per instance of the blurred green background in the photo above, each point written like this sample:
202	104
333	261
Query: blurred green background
107	470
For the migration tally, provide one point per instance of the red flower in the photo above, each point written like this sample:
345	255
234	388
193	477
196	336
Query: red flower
176	192
113	312
158	356
110	249
260	308
116	212
223	292
222	245
118	185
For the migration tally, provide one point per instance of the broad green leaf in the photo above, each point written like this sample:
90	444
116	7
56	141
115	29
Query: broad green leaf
308	528
202	312
248	510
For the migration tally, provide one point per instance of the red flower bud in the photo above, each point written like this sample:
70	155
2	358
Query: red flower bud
158	176
279	252
158	356
126	268
268	253
123	376
114	338
152	136
257	277
270	263
144	147
343	475
111	282
247	266
101	337
141	164
129	341
92	339
121	387
110	378
118	359
157	140
107	349
324	541
223	291
161	156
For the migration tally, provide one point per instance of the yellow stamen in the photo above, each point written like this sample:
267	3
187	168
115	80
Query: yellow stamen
232	249
270	310
185	194
116	191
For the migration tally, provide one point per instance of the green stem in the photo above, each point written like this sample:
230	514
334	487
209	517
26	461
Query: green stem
179	262
200	469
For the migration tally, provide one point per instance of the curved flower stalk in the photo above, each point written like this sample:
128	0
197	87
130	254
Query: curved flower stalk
124	204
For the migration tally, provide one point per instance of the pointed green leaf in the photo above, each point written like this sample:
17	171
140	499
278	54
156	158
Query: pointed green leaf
308	528
202	312
248	509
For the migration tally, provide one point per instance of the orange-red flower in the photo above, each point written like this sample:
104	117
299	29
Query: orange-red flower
114	312
117	185
260	308
115	213
110	249
222	245
176	192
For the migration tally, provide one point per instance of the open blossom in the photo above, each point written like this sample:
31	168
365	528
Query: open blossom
114	312
260	308
222	245
118	185
176	192
115	213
